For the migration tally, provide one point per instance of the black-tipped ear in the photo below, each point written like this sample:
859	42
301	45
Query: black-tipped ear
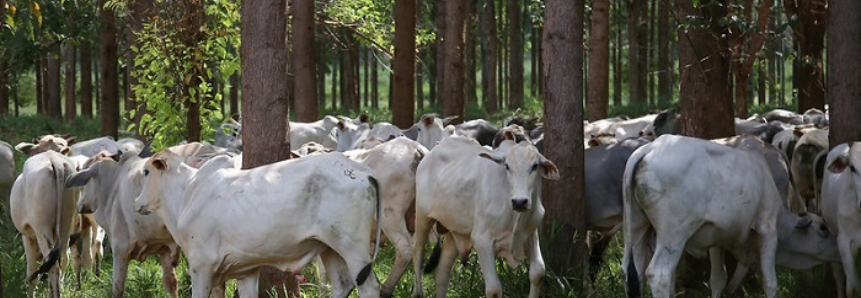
82	177
496	159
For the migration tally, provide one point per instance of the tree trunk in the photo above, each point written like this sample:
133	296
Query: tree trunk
321	75
489	44
109	109
515	57
375	83
191	35
844	84
420	91
441	23
40	86
563	110
86	80
452	95
469	60
706	87
665	71
264	97
71	106
599	61
336	73
403	103
809	34
617	64
234	93
635	82
4	81
53	104
304	60
366	63
15	104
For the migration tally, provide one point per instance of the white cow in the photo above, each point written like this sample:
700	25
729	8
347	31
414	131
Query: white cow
90	148
7	174
353	136
686	194
59	143
430	129
487	199
42	210
319	131
109	190
231	222
841	207
394	164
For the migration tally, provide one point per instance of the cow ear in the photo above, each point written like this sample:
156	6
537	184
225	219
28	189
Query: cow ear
66	151
294	154
448	120
25	147
490	156
364	118
82	177
509	135
594	143
69	140
549	170
839	164
798	132
803	223
427	120
340	125
160	163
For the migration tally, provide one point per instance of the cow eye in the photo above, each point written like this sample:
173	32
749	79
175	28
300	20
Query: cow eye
505	166
852	168
534	168
146	172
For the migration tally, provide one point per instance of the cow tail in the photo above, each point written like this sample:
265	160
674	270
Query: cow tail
632	280
366	271
59	171
433	261
818	163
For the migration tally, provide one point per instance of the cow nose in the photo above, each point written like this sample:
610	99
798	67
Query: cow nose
141	210
519	204
85	210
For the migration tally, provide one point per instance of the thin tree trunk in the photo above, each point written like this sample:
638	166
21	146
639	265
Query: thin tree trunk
599	63
489	56
234	93
52	81
665	72
541	85
441	23
86	80
17	106
420	91
563	110
469	87
761	87
366	90
844	84
321	75
40	98
336	73
375	82
617	64
109	108
403	103
515	58
452	97
635	83
305	76
809	36
71	106
4	81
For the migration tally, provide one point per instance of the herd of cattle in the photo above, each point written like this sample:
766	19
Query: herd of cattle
772	195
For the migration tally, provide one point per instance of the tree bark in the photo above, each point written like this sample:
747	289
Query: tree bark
706	87
403	103
452	95
809	33
515	57
420	91
441	23
304	60
489	44
336	74
109	109
375	83
71	106
40	86
4	79
598	91
321	75
563	124
617	63
86	80
665	71
744	47
634	83
53	104
234	93
264	96
844	84
469	83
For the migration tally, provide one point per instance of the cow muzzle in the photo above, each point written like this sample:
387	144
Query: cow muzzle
142	209
83	209
520	204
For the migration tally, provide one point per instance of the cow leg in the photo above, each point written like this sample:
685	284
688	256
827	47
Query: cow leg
396	230
443	268
168	263
768	250
98	248
718	277
54	278
86	243
121	269
31	252
336	269
248	285
737	277
487	260
77	259
201	282
536	265
662	269
420	238
853	287
839	279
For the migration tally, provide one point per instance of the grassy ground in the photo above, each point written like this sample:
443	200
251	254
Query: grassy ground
144	279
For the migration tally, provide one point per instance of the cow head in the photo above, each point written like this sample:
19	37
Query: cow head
91	178
522	164
58	143
348	133
157	180
847	162
430	129
805	238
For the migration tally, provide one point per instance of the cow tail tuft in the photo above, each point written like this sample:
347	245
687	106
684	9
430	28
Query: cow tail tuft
633	280
363	274
52	260
433	261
